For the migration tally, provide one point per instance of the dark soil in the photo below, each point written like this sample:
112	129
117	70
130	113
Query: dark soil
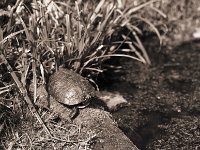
164	97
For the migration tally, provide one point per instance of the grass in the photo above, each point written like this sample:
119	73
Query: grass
79	35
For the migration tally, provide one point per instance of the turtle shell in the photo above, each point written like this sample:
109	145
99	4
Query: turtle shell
70	88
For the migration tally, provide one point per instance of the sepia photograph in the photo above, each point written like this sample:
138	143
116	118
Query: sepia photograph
99	75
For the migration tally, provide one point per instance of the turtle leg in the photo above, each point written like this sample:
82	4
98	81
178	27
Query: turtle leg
74	113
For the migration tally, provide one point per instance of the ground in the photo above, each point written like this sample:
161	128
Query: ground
164	99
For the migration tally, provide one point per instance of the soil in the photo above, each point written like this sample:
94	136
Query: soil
164	97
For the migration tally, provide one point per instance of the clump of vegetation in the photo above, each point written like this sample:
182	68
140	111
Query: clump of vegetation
38	38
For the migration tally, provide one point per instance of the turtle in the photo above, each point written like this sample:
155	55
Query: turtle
74	91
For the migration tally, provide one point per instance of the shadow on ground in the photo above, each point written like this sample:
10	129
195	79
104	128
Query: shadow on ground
165	103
